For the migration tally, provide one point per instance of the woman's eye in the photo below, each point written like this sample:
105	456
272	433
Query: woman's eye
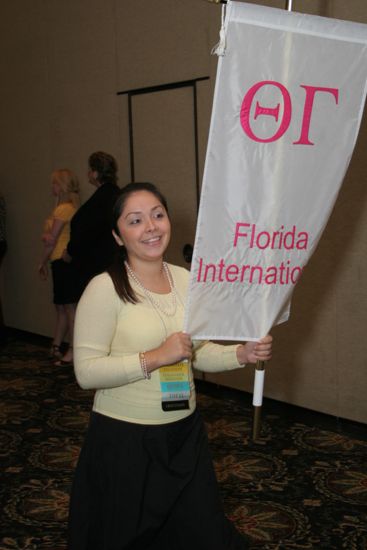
134	221
159	215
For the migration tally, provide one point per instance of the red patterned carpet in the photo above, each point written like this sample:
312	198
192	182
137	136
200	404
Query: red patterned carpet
303	486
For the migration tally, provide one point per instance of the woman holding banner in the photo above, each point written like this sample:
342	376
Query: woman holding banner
144	479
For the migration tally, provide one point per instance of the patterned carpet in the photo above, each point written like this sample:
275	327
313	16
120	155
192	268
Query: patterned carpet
302	486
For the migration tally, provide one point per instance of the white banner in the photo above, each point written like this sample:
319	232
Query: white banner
288	103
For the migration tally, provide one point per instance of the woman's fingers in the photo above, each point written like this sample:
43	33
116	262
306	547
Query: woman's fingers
178	346
263	353
263	348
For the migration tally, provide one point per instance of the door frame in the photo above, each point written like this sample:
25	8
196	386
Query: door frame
159	88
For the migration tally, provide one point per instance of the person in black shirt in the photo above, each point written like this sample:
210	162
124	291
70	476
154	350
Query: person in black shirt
91	246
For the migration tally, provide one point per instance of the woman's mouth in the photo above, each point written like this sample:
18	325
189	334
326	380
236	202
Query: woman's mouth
152	241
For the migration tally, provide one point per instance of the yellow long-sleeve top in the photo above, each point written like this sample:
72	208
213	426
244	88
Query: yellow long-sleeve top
109	334
64	212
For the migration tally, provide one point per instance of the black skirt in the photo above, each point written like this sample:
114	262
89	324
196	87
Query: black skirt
140	487
65	283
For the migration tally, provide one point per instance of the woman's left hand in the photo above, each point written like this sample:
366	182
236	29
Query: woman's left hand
251	352
43	271
66	256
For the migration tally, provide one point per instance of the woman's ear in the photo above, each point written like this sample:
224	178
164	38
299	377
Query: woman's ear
117	238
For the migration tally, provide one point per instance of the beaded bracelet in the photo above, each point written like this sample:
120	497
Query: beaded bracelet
144	366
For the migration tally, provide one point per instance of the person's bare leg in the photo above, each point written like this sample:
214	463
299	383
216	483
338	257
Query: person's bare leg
60	330
70	314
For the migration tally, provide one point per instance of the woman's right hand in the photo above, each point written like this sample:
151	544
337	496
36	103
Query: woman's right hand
48	239
177	347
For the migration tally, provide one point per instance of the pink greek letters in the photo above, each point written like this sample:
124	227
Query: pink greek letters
286	109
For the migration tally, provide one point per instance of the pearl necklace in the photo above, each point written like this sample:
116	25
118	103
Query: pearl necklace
148	294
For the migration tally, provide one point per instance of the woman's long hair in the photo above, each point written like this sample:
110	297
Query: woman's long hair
117	269
69	185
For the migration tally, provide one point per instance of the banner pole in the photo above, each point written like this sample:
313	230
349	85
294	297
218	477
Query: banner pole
260	365
258	398
288	3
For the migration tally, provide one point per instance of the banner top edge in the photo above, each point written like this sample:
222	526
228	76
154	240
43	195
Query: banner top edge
244	12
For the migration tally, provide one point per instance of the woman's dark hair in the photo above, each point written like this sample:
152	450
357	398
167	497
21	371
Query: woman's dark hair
105	166
117	269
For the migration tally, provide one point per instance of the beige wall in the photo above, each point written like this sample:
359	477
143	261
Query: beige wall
63	63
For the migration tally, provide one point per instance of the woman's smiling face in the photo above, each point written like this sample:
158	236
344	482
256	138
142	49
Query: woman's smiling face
144	227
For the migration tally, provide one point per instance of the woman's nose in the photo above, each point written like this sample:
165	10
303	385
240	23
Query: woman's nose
150	226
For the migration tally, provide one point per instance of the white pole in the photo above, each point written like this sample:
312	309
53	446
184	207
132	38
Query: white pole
260	365
257	399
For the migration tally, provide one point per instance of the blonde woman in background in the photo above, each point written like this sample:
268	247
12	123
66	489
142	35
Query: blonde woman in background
65	187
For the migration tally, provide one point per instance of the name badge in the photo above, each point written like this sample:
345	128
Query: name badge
175	386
